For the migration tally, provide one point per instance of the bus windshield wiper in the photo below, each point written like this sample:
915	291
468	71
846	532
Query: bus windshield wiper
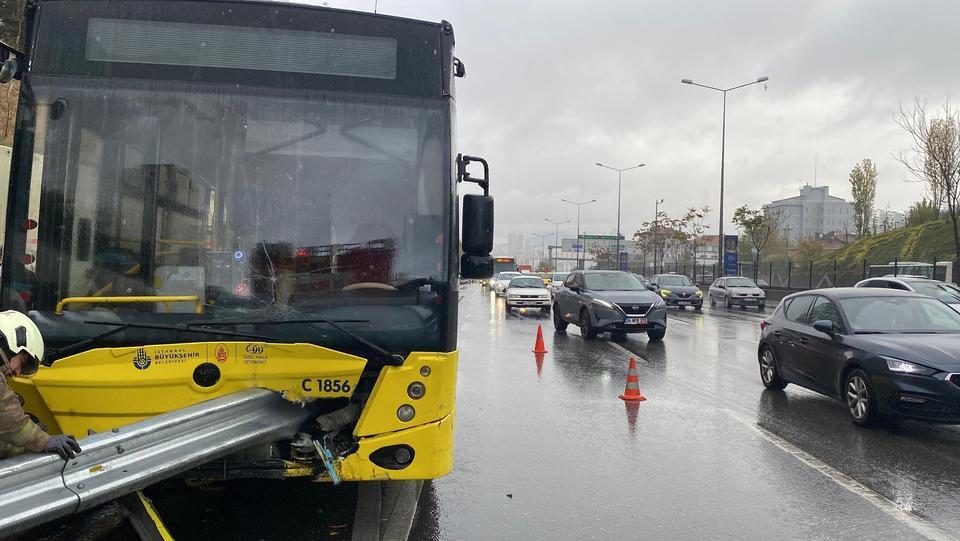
382	354
120	327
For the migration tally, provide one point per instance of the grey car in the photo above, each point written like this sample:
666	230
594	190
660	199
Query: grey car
677	290
737	290
609	301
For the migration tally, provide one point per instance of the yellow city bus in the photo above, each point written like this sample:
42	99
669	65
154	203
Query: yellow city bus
209	196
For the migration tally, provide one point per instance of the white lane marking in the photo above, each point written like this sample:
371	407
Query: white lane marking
906	518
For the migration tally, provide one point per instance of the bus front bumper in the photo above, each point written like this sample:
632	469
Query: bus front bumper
430	444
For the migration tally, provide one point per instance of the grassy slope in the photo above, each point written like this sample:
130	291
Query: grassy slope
925	242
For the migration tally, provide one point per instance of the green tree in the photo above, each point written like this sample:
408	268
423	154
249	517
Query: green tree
759	226
863	184
922	212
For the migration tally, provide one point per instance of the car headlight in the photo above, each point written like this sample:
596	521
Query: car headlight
699	293
602	303
659	303
904	367
664	292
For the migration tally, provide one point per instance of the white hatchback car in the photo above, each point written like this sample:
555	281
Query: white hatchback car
502	280
528	292
948	293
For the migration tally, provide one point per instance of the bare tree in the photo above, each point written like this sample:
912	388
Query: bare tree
759	226
934	156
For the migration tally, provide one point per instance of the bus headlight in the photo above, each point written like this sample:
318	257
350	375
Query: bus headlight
416	390
405	413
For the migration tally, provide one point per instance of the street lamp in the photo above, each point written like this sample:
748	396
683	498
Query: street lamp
619	175
578	224
556	238
543	244
656	226
723	133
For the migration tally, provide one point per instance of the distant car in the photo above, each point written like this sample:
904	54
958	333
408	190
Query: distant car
762	283
502	280
883	352
736	290
609	301
947	293
527	292
677	290
556	281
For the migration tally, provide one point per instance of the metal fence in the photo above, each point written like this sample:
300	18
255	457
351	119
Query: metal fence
812	274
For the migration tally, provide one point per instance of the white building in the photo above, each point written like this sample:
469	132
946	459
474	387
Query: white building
812	213
887	220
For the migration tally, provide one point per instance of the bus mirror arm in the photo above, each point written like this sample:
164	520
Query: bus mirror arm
13	61
464	176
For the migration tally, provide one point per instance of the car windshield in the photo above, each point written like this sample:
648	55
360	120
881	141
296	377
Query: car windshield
900	315
527	281
612	281
507	275
740	282
938	290
674	280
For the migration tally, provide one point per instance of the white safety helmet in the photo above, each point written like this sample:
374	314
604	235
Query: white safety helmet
22	334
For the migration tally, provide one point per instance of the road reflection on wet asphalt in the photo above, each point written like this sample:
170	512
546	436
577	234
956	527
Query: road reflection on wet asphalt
546	450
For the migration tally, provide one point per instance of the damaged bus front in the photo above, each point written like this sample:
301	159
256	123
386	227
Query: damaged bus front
211	196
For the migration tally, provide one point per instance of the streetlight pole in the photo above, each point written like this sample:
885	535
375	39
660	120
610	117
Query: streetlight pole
556	238
619	176
656	227
723	137
580	251
543	244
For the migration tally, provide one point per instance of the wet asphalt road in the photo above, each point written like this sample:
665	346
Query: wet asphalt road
548	451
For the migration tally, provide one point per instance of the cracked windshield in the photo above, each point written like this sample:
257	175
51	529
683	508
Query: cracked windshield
239	204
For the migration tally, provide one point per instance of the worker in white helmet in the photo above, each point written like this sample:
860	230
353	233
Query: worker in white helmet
21	349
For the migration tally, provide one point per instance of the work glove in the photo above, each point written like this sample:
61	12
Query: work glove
65	446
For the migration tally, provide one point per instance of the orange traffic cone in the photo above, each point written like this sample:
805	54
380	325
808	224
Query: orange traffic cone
632	390
539	347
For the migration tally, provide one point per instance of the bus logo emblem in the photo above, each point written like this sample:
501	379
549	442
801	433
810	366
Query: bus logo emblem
141	360
222	354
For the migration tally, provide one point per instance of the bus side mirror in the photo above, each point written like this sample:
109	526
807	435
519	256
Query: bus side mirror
477	237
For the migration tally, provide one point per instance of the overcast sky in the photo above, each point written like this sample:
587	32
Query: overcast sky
553	87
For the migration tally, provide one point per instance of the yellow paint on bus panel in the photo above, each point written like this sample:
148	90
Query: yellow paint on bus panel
432	444
391	391
105	388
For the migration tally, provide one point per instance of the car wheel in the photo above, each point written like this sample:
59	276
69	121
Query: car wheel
656	335
545	309
769	373
861	398
509	307
558	322
729	302
698	307
618	336
586	329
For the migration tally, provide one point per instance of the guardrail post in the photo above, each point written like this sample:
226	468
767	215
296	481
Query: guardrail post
834	273
864	269
789	269
810	286
896	264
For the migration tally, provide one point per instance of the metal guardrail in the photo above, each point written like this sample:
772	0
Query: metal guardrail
35	489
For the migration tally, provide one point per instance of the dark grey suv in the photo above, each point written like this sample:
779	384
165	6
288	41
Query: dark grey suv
609	301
